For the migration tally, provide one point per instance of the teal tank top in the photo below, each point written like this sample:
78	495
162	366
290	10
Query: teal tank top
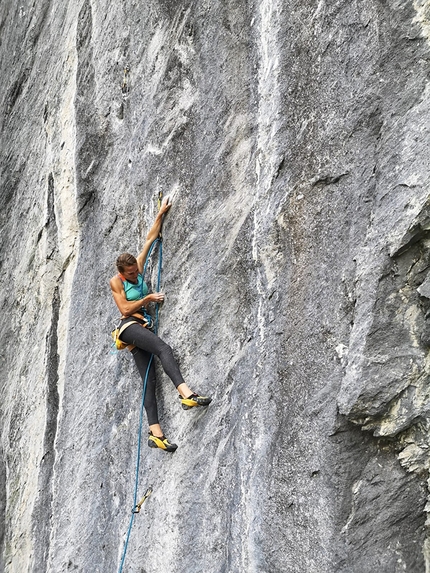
135	291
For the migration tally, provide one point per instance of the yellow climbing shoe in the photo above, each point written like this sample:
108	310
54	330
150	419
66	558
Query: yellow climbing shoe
162	443
194	400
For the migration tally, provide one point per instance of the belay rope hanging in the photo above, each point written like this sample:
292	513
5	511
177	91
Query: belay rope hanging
136	505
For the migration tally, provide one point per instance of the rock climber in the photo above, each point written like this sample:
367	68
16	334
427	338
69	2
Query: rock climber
132	299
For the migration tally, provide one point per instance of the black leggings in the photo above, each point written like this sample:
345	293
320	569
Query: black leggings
147	343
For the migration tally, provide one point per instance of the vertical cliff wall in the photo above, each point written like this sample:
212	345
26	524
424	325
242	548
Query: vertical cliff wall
293	140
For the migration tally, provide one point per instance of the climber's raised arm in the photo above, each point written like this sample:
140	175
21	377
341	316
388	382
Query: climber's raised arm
153	234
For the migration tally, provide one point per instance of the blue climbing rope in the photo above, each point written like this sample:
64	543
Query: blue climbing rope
142	404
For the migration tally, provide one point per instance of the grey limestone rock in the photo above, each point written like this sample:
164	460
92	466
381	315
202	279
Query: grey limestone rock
293	140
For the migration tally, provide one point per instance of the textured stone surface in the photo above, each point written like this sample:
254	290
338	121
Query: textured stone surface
293	140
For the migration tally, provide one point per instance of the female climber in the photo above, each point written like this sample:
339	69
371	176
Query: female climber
132	299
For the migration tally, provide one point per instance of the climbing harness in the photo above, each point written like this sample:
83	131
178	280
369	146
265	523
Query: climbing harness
144	320
119	329
137	506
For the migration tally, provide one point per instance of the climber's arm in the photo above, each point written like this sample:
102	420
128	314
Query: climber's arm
126	307
153	234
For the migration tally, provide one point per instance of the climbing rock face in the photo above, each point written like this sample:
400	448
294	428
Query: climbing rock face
293	141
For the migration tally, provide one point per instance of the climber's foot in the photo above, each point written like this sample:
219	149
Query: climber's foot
195	400
161	442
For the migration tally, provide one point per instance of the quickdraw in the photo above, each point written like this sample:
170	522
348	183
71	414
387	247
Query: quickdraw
124	88
145	496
